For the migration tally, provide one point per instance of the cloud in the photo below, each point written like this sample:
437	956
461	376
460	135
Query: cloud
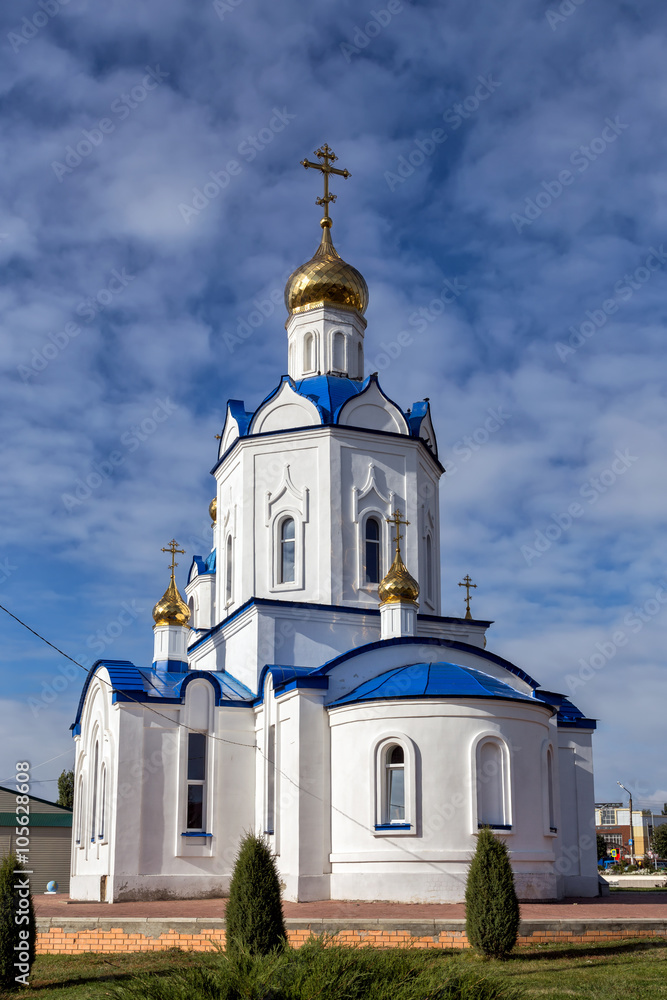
160	335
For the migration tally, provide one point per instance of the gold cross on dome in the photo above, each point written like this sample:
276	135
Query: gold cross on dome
173	548
395	519
468	584
328	157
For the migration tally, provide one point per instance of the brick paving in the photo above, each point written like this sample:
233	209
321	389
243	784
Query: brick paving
631	905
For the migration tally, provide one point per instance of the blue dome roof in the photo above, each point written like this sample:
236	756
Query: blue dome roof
433	680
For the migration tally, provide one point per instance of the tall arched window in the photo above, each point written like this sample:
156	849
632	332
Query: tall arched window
103	803
550	791
309	353
271	781
229	570
492	785
360	361
93	816
395	784
287	542
339	352
79	812
429	567
372	551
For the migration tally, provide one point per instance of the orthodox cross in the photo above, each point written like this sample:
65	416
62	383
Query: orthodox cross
173	548
395	519
328	157
468	584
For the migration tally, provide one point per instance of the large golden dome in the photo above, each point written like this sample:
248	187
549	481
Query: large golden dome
398	584
326	280
171	609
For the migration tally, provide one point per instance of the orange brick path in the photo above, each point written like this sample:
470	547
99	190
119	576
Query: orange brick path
198	925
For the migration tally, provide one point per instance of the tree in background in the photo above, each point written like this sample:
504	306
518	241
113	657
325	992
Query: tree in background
17	925
492	907
603	847
659	841
66	790
254	913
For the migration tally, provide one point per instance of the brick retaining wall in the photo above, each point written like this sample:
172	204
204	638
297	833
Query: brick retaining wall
68	936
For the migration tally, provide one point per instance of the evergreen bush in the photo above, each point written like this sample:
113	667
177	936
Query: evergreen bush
17	926
492	907
254	914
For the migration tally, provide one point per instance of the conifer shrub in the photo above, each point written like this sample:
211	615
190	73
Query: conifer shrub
492	907
254	914
17	925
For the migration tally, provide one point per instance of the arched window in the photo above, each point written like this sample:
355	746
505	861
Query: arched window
309	353
229	570
372	551
79	812
360	361
492	785
339	352
550	791
395	779
287	541
271	781
103	802
196	781
429	567
93	817
191	605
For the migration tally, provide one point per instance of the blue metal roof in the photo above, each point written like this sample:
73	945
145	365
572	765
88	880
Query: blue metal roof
203	566
241	416
432	680
569	716
136	684
328	392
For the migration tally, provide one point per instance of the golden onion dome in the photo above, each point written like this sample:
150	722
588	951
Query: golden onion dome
326	280
171	609
398	584
213	509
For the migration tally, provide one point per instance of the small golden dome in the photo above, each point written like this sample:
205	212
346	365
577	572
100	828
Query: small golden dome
213	509
171	609
326	280
398	584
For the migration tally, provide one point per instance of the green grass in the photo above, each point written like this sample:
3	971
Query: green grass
632	970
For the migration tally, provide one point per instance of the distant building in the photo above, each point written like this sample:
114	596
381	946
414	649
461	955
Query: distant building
612	822
50	838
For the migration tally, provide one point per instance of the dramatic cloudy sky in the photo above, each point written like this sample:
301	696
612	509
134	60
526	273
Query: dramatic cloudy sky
508	178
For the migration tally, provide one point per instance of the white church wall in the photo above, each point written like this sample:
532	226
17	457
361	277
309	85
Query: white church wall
577	862
311	347
429	862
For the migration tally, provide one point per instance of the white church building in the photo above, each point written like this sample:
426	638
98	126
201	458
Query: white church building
307	687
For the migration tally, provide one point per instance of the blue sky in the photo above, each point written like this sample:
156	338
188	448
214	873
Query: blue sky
507	206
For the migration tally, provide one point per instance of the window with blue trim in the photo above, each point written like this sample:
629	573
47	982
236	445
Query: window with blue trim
196	781
492	785
395	785
287	550
372	550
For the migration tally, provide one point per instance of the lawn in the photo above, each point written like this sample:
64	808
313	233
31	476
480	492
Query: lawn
633	970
